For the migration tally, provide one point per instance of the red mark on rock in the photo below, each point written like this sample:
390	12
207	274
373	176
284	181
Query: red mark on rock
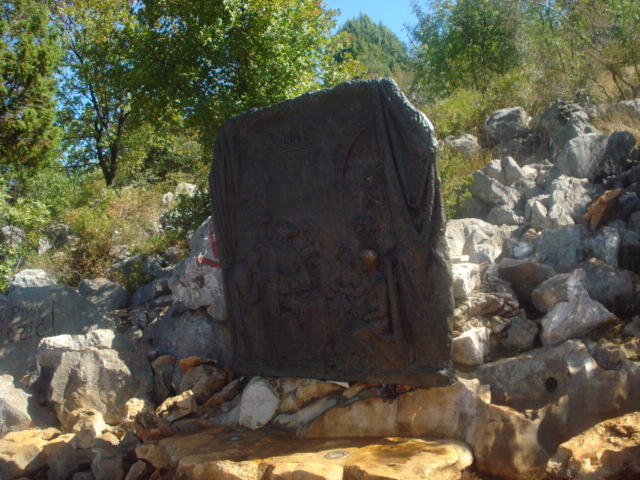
215	261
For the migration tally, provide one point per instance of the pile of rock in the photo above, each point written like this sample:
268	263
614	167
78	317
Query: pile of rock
546	345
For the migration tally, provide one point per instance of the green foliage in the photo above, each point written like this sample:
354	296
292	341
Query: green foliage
30	216
463	44
376	47
455	171
584	48
29	55
189	213
213	59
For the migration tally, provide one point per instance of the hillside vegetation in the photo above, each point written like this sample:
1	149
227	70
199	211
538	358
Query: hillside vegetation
108	106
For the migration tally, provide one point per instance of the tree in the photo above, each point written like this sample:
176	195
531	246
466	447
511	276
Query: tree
466	43
95	107
578	45
377	48
29	56
212	59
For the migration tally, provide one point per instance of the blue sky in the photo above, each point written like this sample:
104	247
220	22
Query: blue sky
392	13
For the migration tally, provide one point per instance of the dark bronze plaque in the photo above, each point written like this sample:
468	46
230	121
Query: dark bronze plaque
329	218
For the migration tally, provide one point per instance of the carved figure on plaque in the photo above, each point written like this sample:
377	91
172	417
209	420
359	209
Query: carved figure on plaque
331	231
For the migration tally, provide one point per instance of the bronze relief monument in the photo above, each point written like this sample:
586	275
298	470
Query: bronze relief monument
330	223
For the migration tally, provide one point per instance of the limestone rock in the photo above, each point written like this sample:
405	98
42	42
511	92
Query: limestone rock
162	377
564	248
174	408
512	171
470	348
27	315
466	279
524	276
608	285
297	393
504	215
491	191
466	144
104	293
463	236
494	170
203	380
582	156
507	124
558	124
521	335
536	378
562	287
14	407
31	278
197	280
99	370
610	449
184	333
602	208
573	319
259	403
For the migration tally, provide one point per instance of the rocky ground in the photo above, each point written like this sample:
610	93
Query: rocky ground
545	259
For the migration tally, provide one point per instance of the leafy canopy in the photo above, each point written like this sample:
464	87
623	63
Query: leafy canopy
29	55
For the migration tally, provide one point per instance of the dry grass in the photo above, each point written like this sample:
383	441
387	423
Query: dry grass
615	118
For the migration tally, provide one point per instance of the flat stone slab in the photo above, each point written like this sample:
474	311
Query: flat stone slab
248	455
29	314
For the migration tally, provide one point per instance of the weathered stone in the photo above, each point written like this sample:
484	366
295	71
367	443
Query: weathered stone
149	426
507	124
339	215
162	377
491	191
11	235
99	370
583	156
470	348
485	252
259	403
521	335
14	407
570	199
505	443
610	286
444	412
524	276
104	293
602	208
573	319
564	248
184	333
31	278
512	171
471	207
197	280
617	153
158	267
610	449
466	144
86	420
108	464
466	279
27	315
557	125
203	381
174	408
256	456
297	393
562	287
633	328
504	215
494	170
150	292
